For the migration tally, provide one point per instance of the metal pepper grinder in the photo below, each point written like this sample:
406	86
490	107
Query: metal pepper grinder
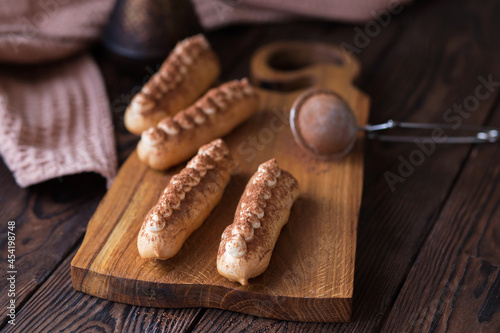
144	31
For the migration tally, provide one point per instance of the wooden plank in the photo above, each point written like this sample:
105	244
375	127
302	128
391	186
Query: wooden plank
214	320
454	285
419	78
57	307
50	218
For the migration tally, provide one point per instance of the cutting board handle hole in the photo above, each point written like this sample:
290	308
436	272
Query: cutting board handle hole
289	86
295	58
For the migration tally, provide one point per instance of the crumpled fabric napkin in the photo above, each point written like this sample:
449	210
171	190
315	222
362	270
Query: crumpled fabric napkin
55	118
216	13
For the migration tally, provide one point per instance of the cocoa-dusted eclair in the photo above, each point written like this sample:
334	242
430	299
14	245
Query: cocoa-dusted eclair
177	138
186	202
190	69
247	244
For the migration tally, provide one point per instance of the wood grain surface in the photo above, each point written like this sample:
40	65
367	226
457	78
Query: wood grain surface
424	61
311	273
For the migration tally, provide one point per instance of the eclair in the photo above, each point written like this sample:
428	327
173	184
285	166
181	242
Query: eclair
264	208
217	113
186	202
190	69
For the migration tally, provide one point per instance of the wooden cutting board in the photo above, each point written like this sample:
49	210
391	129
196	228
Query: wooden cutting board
310	276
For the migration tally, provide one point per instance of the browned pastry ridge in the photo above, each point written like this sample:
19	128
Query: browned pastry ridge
186	202
247	244
190	69
217	113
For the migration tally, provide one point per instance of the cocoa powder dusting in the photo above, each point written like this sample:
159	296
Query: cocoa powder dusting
174	69
259	196
168	125
184	120
194	116
169	204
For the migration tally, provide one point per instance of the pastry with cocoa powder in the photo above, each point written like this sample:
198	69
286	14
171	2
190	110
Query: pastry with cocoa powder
217	113
186	202
247	244
190	69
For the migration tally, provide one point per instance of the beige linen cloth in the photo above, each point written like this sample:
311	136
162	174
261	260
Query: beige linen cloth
54	114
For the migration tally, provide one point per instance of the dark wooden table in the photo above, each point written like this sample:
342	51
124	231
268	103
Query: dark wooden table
428	252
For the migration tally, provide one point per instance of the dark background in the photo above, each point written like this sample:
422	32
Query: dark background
428	253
